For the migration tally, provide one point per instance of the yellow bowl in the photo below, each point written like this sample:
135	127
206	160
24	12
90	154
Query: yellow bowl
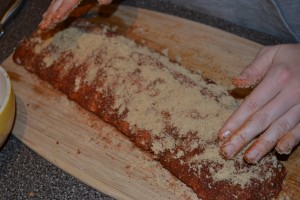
7	105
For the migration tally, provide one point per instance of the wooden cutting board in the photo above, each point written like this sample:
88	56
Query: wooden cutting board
95	152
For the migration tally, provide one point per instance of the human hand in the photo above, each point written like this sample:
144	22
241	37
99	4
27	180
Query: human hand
271	111
59	10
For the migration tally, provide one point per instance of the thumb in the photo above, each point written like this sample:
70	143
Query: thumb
254	72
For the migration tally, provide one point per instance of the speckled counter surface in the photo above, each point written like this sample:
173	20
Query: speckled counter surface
26	175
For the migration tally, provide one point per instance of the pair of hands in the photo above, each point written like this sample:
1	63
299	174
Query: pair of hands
271	112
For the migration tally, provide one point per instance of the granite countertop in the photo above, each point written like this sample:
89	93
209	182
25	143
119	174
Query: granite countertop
26	175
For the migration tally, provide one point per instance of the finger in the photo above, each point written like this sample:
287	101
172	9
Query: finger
66	8
267	141
253	73
49	8
262	94
53	8
256	124
50	14
289	141
104	2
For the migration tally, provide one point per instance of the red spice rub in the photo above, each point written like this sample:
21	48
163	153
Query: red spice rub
162	107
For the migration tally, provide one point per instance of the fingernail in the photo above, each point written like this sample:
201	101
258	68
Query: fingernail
253	156
223	135
228	151
285	150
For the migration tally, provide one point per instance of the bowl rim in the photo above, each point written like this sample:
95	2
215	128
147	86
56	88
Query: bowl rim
8	88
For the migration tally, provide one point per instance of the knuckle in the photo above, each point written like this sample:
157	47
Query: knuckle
283	125
251	104
284	75
253	69
262	120
267	142
243	139
240	141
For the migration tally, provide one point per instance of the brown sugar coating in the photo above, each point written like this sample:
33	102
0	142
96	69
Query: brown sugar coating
163	108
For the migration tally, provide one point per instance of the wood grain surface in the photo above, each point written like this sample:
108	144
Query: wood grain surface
95	152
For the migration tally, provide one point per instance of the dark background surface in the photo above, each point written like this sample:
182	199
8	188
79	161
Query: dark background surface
26	175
